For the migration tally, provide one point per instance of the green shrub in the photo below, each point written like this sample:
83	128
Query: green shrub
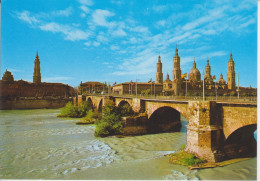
126	110
186	159
111	123
68	111
183	146
75	112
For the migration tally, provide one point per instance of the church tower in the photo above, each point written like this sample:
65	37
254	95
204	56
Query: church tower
159	74
208	70
176	73
231	74
37	70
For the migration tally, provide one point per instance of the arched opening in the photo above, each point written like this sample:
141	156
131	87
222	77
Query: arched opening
100	106
89	102
164	119
125	108
241	143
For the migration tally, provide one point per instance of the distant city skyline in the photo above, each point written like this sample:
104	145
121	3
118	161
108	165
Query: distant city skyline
116	40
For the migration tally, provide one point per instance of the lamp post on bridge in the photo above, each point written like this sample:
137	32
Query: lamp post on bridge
203	85
136	87
237	85
186	89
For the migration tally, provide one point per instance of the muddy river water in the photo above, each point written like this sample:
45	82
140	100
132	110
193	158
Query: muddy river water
35	144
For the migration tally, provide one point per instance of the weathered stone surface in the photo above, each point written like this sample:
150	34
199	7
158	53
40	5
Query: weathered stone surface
33	103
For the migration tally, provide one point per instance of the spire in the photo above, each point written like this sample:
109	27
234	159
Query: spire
176	50
159	59
194	63
231	57
221	76
37	56
208	61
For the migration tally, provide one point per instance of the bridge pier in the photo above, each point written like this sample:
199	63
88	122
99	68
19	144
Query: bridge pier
204	134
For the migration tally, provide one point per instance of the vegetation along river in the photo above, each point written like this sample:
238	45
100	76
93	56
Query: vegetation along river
35	144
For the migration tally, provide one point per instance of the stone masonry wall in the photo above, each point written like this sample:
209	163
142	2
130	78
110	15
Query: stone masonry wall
203	132
33	104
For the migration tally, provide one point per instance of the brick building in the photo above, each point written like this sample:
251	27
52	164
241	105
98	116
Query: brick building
10	89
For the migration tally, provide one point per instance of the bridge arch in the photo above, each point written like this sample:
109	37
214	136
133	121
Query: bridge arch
164	119
182	108
241	143
100	105
90	102
121	102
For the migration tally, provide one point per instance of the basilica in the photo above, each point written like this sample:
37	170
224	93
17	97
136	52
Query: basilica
193	84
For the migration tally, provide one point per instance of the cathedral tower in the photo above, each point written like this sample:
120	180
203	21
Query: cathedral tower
176	73
231	73
159	74
207	70
37	70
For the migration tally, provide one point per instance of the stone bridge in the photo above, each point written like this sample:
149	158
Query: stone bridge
215	130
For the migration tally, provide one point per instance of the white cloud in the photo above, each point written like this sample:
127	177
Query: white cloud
25	16
87	43
82	15
102	38
119	32
86	2
117	2
114	47
160	9
71	33
161	23
139	29
85	9
99	17
96	44
66	12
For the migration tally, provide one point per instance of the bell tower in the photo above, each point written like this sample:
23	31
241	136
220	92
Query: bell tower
37	70
231	81
176	78
159	74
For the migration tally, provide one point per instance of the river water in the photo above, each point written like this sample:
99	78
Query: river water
35	144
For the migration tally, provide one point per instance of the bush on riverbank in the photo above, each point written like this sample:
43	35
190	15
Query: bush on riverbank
184	158
126	110
111	123
90	117
75	111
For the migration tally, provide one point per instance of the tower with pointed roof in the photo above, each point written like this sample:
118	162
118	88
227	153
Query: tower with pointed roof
176	78
159	74
231	81
207	70
37	70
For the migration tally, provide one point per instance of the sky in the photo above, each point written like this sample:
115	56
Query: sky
117	40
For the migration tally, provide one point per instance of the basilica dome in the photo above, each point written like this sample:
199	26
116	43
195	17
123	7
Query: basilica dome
194	74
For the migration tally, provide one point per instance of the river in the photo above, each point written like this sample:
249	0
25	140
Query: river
35	144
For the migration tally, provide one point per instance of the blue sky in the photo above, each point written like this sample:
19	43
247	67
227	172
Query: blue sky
116	40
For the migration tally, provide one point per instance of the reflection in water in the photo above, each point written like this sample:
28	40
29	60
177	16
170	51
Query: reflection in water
35	144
